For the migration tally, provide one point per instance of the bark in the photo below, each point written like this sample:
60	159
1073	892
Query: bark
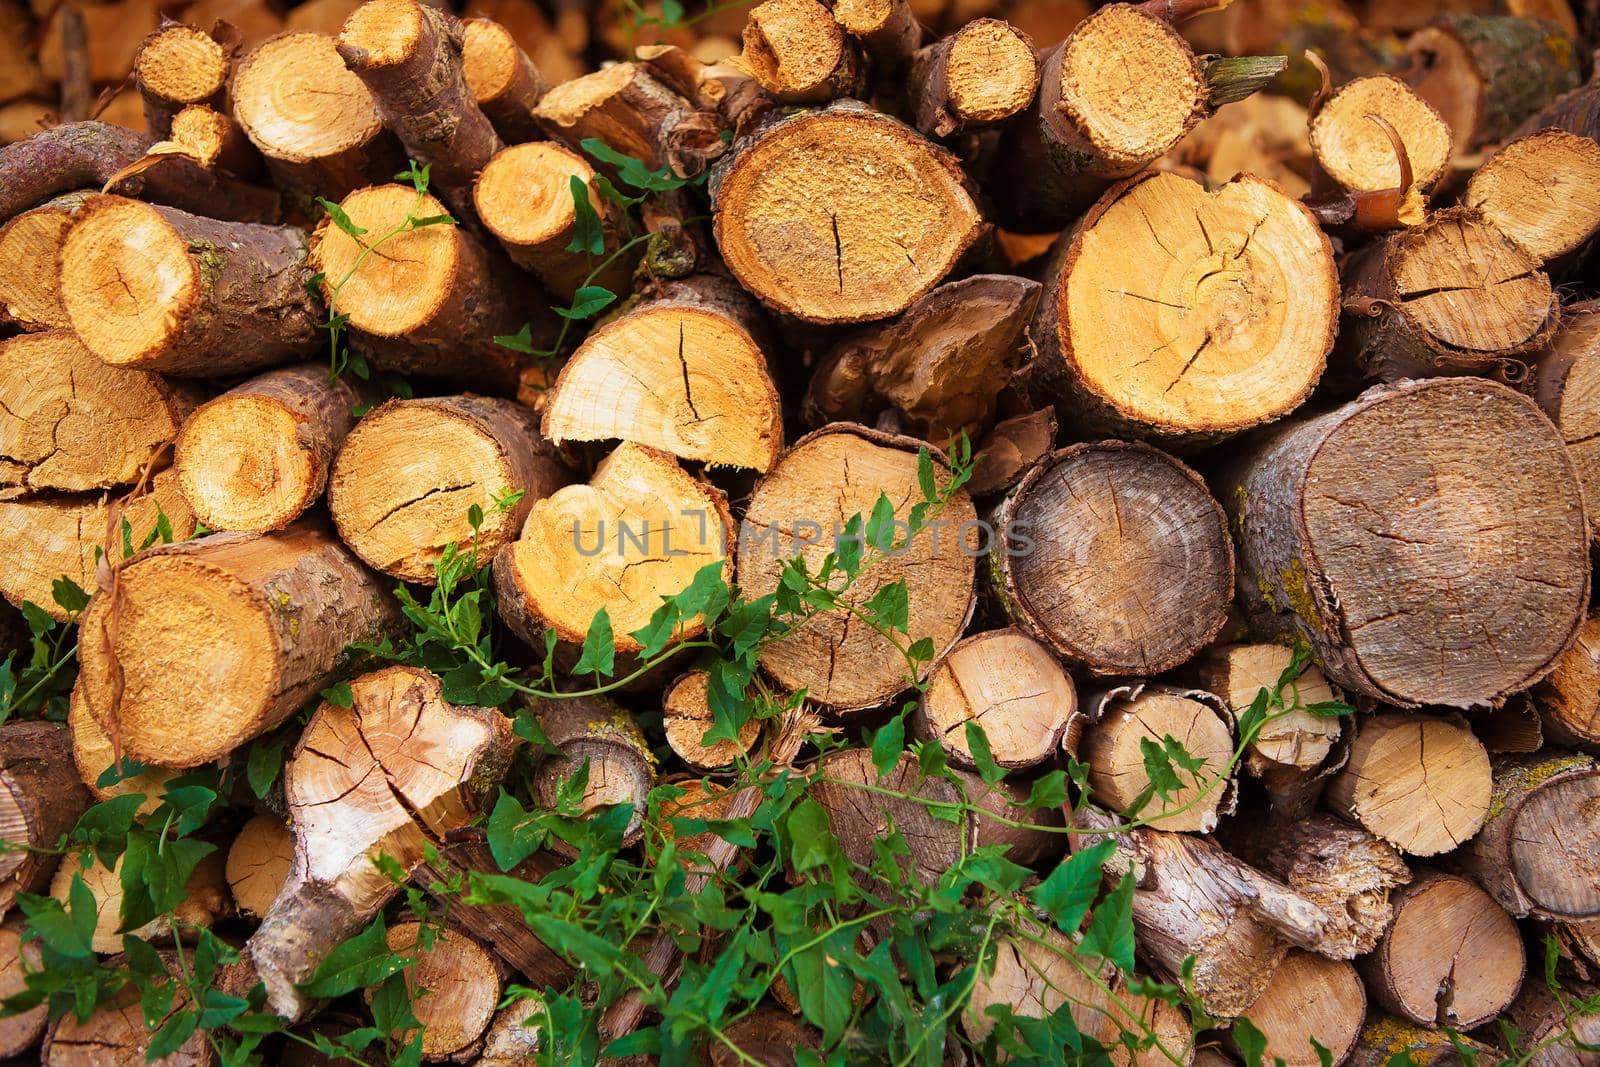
117	1034
30	292
40	801
205	900
179	65
21	1032
1123	718
979	76
1536	852
798	52
504	81
767	1036
686	716
1032	837
1566	386
1384	1037
1294	741
1539	191
621	768
463	984
1010	449
1012	688
1540	1017
1153	589
1577	111
622	105
261	623
1568	699
1325	504
1310	999
1357	153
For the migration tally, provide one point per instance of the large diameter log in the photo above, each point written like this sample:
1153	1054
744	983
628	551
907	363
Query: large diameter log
1540	191
1012	688
979	76
1568	699
1127	717
1427	539
1115	556
1566	386
1538	850
798	509
257	623
30	292
1310	999
1357	153
504	81
1452	957
22	1031
462	983
1183	315
815	234
176	66
40	801
159	289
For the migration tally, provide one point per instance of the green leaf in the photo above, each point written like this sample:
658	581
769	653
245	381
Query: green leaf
881	526
339	695
521	341
513	831
359	963
264	762
812	843
1324	1056
587	233
69	595
1069	890
982	757
588	301
1110	932
671	13
599	647
888	743
889	608
120	771
1251	1042
925	479
173	1033
1330	709
340	219
632	172
1047	791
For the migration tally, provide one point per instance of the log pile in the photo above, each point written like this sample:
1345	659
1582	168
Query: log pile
872	463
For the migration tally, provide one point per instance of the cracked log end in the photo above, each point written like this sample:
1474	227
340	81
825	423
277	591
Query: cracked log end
405	288
1540	191
1310	999
1568	700
176	66
1539	851
463	986
686	716
638	531
1297	739
1357	153
30	290
1187	314
116	1031
1117	774
797	51
258	863
841	215
800	507
1118	558
1012	687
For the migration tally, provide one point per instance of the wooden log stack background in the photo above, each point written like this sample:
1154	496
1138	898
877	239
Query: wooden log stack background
1271	326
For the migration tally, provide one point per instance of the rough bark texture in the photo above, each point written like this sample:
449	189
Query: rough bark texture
40	801
1385	1037
1537	851
1010	449
622	105
504	81
1568	699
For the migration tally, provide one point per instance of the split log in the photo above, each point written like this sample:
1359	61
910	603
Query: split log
892	230
259	623
1294	740
622	105
40	801
1310	999
1537	853
70	422
1010	449
156	288
940	366
460	451
1553	1027
1357	153
1123	719
21	1032
798	52
94	756
1487	73
117	1033
1010	686
497	926
1451	957
1566	385
313	121
1226	302
179	65
1539	190
205	900
638	531
979	76
258	864
1410	595
30	292
1155	587
685	373
686	716
800	508
601	734
504	82
396	770
1568	699
408	55
256	457
462	984
436	299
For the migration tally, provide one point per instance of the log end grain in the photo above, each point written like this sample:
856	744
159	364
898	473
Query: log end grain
258	863
686	716
1310	999
1009	685
1543	191
396	293
795	48
1113	748
991	72
179	64
298	103
462	983
1357	153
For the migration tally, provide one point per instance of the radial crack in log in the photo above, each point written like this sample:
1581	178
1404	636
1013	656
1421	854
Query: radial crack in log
1540	190
1539	850
1011	687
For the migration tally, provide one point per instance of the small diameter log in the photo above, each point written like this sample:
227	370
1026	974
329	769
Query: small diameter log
258	864
20	1032
30	292
815	234
497	926
1116	95
1568	699
622	105
1539	190
798	52
259	623
460	451
117	1033
462	984
1310	999
685	374
638	531
70	422
1010	449
1036	976
1293	741
1551	1029
516	1035
434	301
601	734
1539	850
685	718
1566	386
1415	596
1452	957
93	755
313	121
888	29
1115	556
409	56
800	509
1122	719
214	140
1214	318
1487	73
40	801
979	76
159	289
205	899
255	458
503	80
1357	153
179	65
939	367
1012	687
399	768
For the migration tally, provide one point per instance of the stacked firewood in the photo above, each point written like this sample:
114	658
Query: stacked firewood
1276	373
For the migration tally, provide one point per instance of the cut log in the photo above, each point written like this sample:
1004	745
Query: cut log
214	140
258	864
558	54
454	986
19	1033
622	105
205	900
1036	973
40	801
798	52
30	292
820	483
156	288
857	818
602	735
504	82
1487	73
1553	1030
685	374
1294	739
1010	449
1539	190
794	195
408	55
179	65
71	422
1537	852
94	756
1475	600
460	451
887	29
1010	686
1385	1037
313	121
50	537
1452	957
685	718
1226	301
259	623
1310	999
434	301
516	1035
1126	717
1357	153
1568	699
1032	837
1576	112
979	76
117	1033
1154	587
1566	385
397	769
940	366
638	531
